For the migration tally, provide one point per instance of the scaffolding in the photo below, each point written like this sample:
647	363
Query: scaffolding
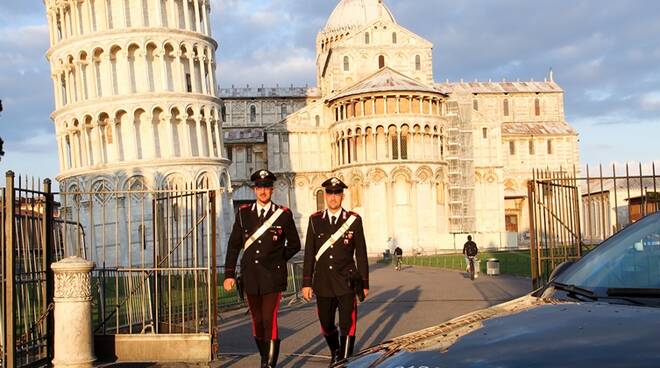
461	169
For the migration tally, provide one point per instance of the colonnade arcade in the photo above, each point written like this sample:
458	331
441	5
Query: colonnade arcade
162	132
72	18
152	66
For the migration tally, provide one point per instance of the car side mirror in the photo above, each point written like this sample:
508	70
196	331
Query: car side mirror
560	269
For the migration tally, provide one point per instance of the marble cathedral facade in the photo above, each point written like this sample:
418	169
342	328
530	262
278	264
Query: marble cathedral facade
426	162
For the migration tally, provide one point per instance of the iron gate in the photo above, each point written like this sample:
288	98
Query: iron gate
27	250
554	213
571	213
155	255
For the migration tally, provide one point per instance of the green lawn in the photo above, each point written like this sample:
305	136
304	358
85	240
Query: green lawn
511	262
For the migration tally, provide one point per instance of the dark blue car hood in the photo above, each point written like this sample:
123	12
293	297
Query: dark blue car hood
530	332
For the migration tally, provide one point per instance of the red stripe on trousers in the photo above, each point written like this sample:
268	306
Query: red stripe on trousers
277	308
351	332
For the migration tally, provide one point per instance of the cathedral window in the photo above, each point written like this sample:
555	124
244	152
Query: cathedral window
230	153
223	113
418	62
253	114
484	132
394	39
366	38
318	121
475	105
248	155
320	200
404	143
549	147
506	107
346	64
537	107
283	112
381	62
531	147
512	147
188	83
394	139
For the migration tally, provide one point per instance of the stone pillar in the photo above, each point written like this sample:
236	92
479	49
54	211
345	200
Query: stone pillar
197	19
186	15
74	339
212	75
205	18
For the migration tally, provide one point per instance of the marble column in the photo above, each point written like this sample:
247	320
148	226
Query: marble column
74	338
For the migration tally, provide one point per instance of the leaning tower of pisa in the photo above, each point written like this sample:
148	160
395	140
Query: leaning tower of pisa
135	93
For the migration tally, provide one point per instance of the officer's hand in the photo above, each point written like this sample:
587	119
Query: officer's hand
366	292
307	293
228	284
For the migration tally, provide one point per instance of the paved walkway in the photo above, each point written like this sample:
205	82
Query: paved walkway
398	303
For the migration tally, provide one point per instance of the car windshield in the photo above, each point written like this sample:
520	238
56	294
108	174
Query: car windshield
628	260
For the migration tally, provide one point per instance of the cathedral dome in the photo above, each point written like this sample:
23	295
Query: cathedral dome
356	13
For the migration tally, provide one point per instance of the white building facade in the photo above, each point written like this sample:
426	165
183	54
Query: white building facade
426	162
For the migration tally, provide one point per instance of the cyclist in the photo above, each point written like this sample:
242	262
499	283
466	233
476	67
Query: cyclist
398	253
470	251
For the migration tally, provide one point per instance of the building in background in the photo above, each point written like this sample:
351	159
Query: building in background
426	162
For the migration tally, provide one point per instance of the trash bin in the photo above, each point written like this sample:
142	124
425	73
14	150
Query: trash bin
493	267
477	268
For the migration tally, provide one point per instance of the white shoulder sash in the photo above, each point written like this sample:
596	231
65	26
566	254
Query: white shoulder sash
262	229
334	237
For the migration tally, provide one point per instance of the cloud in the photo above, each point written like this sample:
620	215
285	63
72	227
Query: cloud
604	57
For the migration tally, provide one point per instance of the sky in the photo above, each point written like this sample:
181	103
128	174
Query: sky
604	54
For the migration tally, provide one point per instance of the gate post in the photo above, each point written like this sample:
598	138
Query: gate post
9	343
74	339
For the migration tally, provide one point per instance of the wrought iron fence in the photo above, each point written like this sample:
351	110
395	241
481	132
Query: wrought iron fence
571	212
232	299
27	249
155	255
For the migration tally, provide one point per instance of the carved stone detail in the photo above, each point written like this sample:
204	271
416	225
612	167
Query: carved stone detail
73	286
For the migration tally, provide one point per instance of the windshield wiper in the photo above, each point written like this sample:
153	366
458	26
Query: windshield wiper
573	290
634	292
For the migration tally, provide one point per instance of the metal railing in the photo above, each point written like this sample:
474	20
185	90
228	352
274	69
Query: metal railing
27	250
573	212
155	255
231	299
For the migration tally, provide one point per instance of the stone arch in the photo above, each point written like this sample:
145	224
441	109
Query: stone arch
377	175
424	174
173	180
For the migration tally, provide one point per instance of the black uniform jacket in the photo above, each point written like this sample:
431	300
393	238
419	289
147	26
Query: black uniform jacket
330	275
263	265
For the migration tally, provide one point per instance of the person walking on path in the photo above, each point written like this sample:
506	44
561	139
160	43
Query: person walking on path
267	235
470	250
336	269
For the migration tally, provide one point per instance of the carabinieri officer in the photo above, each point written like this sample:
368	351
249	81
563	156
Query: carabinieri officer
335	265
268	237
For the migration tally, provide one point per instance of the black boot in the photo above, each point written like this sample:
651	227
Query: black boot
273	352
333	344
263	351
347	344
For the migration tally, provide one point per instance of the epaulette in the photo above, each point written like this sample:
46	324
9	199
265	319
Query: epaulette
245	206
285	209
315	214
354	214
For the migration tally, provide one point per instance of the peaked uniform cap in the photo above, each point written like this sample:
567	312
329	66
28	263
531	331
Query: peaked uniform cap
263	178
334	184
